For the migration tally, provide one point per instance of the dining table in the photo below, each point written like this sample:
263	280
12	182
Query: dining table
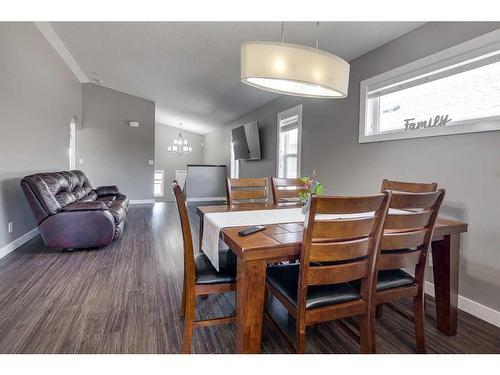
282	241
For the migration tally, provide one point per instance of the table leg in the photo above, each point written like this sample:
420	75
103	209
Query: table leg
250	290
445	259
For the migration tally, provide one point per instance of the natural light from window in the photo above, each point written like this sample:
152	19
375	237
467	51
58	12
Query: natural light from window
471	95
445	93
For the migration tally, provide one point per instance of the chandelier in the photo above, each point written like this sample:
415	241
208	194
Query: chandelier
180	145
294	69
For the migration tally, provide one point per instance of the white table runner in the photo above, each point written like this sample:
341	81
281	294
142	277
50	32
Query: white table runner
214	222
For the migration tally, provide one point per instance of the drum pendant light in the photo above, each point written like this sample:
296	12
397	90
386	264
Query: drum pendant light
293	69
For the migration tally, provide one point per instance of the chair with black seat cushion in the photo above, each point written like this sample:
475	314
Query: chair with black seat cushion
340	243
200	276
407	236
407	187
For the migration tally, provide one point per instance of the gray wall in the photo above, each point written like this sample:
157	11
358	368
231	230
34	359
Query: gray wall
113	153
170	161
38	98
467	166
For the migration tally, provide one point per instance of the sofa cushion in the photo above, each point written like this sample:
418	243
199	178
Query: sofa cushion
121	200
285	279
106	190
89	198
118	213
85	206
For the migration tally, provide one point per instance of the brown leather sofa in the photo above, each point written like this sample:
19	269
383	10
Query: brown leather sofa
70	213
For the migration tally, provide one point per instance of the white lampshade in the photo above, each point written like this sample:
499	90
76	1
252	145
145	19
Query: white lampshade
185	141
294	69
174	148
169	148
175	141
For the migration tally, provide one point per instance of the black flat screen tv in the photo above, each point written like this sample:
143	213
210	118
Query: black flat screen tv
246	142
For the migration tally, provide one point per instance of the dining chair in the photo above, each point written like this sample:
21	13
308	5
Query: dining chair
334	252
405	244
286	190
200	277
246	190
409	187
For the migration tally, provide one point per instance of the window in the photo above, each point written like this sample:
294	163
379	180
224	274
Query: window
452	92
235	164
158	183
289	136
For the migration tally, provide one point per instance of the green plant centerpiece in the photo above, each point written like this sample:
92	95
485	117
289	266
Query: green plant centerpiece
312	186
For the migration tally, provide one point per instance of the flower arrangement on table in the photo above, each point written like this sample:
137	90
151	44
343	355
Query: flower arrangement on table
312	186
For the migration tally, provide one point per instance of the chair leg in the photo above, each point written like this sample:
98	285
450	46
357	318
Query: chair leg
188	323
367	333
183	301
301	336
379	311
419	315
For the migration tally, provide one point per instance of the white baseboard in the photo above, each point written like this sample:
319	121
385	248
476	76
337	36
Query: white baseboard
480	311
142	201
206	199
18	242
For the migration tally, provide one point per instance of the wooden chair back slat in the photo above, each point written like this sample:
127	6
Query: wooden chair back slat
408	220
248	194
343	228
248	182
406	201
410	187
345	205
393	261
354	241
403	240
189	266
339	251
246	190
286	195
287	190
325	275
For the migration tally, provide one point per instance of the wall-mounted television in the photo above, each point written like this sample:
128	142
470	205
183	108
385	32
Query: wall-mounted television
246	141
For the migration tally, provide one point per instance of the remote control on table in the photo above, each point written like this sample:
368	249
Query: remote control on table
251	230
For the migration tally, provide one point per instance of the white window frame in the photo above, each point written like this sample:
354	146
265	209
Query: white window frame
446	59
295	111
162	194
235	164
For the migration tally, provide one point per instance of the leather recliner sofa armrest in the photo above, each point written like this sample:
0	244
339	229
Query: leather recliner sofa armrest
78	229
85	206
107	190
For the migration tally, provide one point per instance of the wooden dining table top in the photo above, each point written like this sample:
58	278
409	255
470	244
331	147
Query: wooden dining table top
285	239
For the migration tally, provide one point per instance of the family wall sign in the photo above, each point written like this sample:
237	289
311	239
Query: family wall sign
433	122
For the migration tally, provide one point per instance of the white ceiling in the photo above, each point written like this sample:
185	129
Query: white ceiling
192	69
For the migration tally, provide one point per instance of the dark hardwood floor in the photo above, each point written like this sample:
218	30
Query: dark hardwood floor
125	299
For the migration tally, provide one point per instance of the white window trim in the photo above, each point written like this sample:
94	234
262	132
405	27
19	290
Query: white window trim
471	49
297	110
235	164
